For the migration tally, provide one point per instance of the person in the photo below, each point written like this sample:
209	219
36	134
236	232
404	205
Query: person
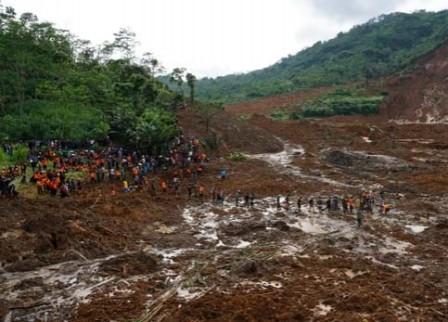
299	205
252	199
357	204
40	186
335	203
359	217
163	186
237	198
278	202
223	174
117	174
201	191
63	191
311	203
125	186
350	205
221	196
246	200
286	203
345	204
320	204
190	191
329	207
176	185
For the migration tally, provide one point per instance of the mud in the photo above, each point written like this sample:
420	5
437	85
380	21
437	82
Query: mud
138	258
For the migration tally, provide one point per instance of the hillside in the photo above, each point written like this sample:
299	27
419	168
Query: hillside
381	46
421	94
56	86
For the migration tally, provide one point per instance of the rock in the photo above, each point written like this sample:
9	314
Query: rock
364	161
340	158
281	225
248	267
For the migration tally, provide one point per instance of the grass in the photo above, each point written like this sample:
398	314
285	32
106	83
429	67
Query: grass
280	115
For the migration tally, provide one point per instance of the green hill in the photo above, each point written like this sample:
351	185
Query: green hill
381	46
56	86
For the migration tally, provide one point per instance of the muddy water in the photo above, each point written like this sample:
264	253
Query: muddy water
283	163
221	232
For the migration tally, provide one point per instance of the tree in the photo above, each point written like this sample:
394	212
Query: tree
177	77
154	129
208	111
56	86
125	43
191	82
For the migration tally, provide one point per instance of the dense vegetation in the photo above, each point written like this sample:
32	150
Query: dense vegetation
381	46
341	102
55	86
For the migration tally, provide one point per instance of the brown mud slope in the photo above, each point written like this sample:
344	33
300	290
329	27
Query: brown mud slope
268	105
420	95
235	133
140	258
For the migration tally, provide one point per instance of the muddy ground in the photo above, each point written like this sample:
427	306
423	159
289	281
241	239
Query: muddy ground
133	257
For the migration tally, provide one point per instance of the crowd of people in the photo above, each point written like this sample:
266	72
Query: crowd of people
58	170
176	172
364	203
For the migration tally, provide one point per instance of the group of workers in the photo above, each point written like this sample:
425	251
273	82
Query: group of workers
51	167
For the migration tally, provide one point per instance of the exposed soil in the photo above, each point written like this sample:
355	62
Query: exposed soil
134	257
421	94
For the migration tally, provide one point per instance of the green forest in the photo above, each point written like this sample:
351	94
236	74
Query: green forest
56	86
381	46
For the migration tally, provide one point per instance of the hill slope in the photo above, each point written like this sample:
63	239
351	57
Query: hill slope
379	47
421	95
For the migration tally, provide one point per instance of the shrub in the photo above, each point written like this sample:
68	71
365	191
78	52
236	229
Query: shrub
341	103
280	115
237	156
20	154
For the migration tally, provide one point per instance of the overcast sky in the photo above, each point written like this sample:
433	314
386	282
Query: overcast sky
216	37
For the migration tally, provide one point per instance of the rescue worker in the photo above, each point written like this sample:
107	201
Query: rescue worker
237	198
278	202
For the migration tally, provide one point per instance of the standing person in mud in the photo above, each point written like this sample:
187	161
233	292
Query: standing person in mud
359	214
279	206
359	218
350	204
320	204
237	198
345	205
311	204
299	205
252	199
357	205
190	190
201	192
329	206
247	200
286	203
335	203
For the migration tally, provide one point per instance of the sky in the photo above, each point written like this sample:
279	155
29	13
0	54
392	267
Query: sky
216	37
